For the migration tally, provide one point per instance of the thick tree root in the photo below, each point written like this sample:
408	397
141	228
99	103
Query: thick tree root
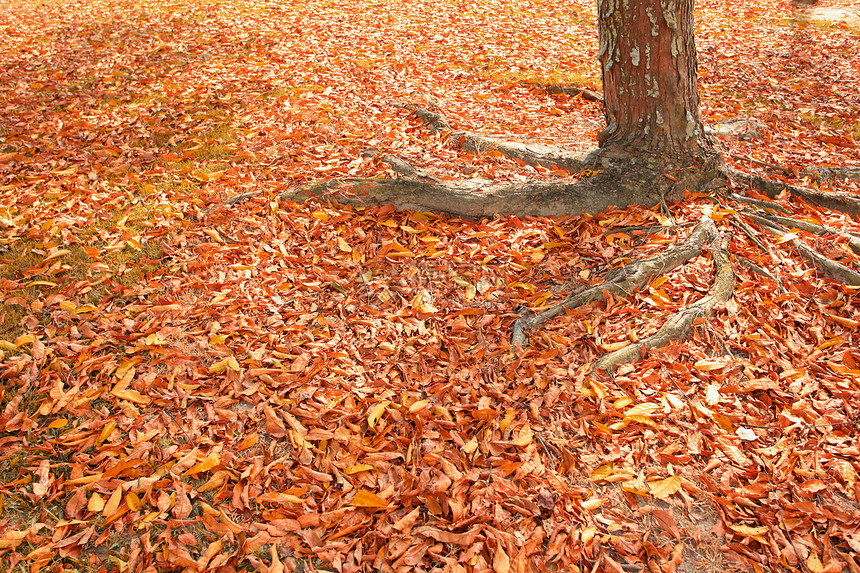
831	173
475	199
530	154
836	202
679	326
607	178
824	264
817	173
814	228
624	280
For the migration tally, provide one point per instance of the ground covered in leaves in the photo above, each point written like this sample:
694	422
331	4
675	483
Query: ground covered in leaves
267	385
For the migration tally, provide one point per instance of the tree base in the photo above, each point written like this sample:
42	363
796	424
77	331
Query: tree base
606	177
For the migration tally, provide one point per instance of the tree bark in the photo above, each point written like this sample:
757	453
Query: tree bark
648	63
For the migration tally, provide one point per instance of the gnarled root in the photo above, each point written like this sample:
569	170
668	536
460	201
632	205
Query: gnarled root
636	274
680	324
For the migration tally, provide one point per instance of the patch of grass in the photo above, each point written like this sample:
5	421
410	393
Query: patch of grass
832	122
293	92
39	274
500	71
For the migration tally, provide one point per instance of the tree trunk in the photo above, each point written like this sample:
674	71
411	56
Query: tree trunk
648	61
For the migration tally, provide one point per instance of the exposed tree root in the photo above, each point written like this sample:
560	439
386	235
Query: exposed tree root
607	180
747	264
827	266
679	325
831	173
836	202
623	280
572	91
819	173
475	198
814	228
759	203
530	154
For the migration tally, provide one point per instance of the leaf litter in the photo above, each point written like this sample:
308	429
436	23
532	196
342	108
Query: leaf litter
271	385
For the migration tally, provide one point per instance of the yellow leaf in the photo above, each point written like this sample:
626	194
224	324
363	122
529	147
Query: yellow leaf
471	446
86	308
645	408
622	402
24	339
470	292
205	465
785	238
112	503
133	501
233	365
106	432
661	489
842	321
7	346
356	468
814	564
712	395
96	503
510	414
635	486
200	175
828	343
323	216
343	245
67	306
613	346
12	538
219	339
526	286
376	413
603	427
280	498
708	365
587	534
363	498
65	172
219	367
59	423
593	503
234	527
53	254
524	437
603	472
641	419
132	396
418	406
747	531
123	368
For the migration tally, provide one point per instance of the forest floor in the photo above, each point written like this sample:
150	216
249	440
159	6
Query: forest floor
193	383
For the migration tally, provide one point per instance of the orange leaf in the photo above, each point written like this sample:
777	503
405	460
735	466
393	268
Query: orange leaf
661	489
364	498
